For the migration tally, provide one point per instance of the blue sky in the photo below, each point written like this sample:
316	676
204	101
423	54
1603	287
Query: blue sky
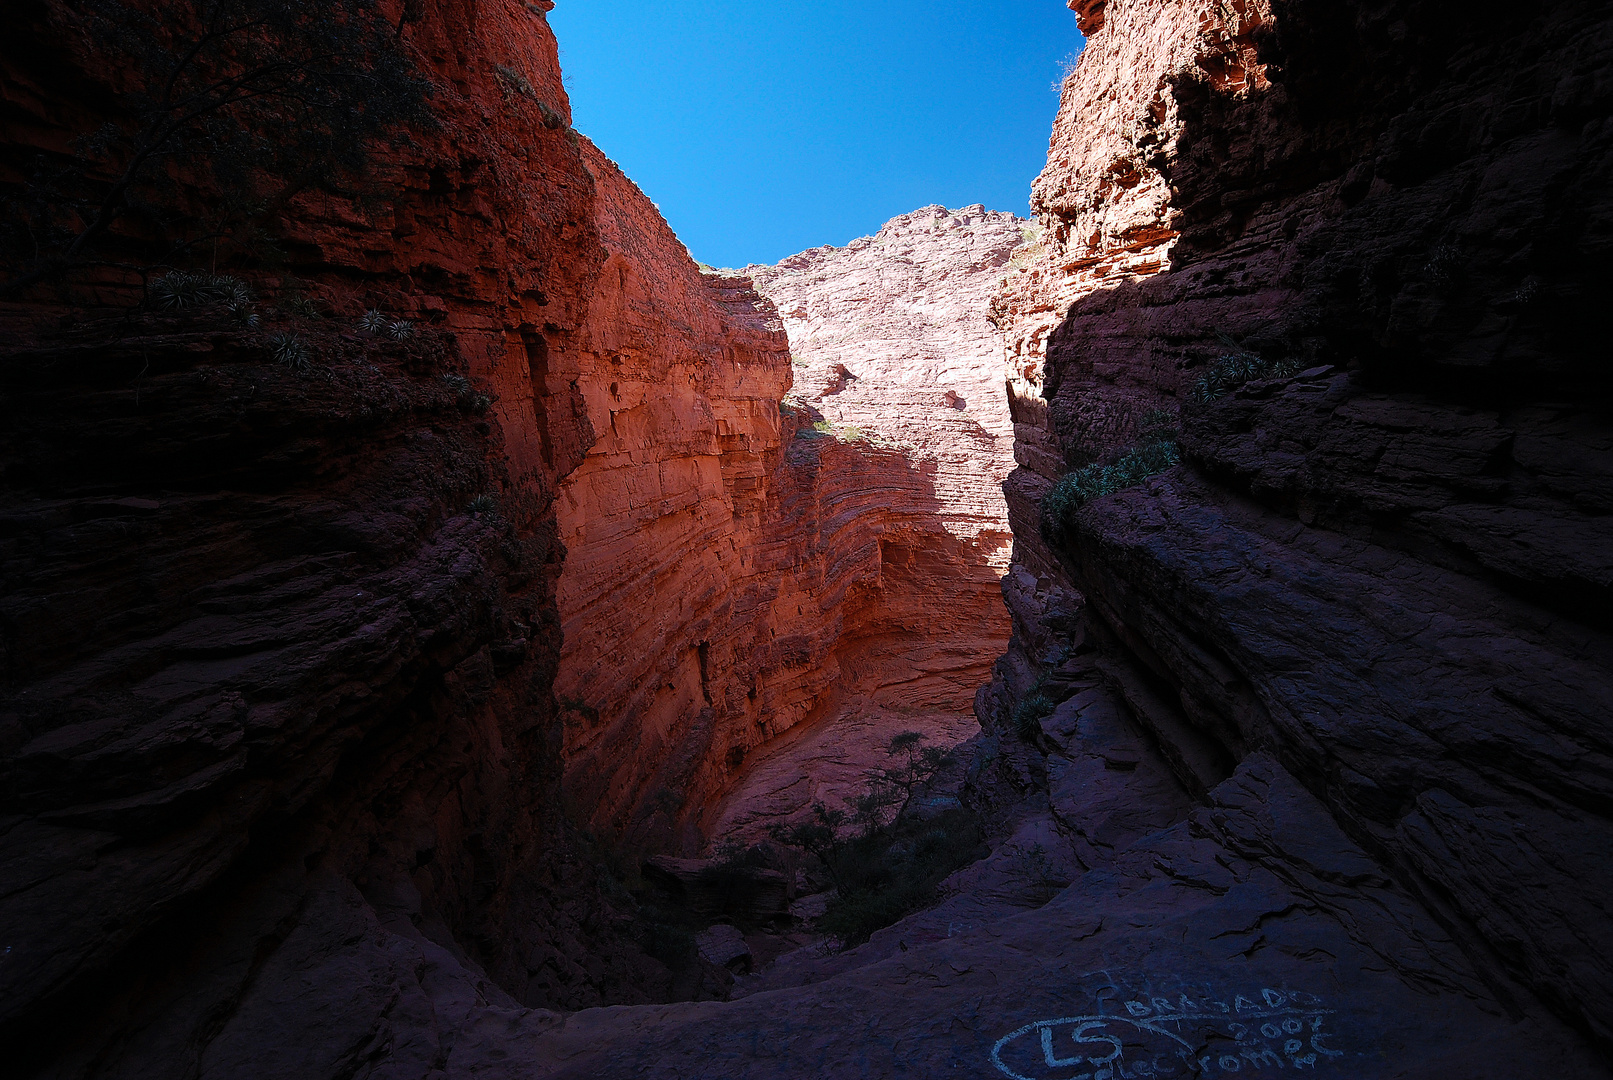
762	128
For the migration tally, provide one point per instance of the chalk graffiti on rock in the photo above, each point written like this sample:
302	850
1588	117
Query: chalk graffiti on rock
1193	1032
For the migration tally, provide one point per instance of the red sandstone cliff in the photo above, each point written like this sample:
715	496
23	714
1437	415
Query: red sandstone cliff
279	638
1327	771
1384	571
292	811
889	337
733	573
283	640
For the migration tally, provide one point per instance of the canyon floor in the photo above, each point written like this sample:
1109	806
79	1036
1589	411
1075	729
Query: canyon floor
1119	928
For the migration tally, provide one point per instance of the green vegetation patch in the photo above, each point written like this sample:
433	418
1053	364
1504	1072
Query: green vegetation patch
897	871
1156	453
1028	716
1232	370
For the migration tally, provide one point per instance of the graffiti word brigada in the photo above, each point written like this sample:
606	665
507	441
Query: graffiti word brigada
1187	1037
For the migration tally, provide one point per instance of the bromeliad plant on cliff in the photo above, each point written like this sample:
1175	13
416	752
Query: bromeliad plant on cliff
1155	452
228	110
1235	368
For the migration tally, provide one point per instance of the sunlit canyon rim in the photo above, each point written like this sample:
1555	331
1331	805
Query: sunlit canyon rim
366	675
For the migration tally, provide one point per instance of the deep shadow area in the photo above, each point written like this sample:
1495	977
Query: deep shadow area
1390	570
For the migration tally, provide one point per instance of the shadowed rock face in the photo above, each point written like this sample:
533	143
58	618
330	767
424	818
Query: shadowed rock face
1385	573
278	732
276	702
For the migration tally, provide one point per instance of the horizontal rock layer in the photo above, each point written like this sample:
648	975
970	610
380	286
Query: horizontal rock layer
279	637
282	635
734	571
890	338
1383	573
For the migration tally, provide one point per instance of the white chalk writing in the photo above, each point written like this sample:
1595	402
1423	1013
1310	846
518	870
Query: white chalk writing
1135	1034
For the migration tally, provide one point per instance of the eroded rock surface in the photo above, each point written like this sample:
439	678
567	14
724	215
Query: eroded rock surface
890	337
1370	571
830	763
1326	786
282	744
1245	934
735	572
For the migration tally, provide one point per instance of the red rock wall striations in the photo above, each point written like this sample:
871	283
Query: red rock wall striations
279	640
731	572
1385	564
1104	210
889	336
283	642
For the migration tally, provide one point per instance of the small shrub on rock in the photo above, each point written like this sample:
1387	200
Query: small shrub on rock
465	394
886	865
302	307
188	290
1028	716
1080	487
1232	370
293	352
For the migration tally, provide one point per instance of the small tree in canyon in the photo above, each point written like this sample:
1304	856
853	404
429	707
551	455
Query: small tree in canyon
886	863
916	765
224	110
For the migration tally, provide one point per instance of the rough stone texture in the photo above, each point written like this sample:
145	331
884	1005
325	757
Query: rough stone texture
733	573
280	748
890	335
1147	935
828	763
1104	211
279	744
1385	575
1328	786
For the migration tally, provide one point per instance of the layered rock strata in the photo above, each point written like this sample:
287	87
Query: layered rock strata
1381	572
893	358
1326	789
733	571
283	625
280	620
890	337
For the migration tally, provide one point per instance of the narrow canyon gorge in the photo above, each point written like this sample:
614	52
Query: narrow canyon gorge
436	612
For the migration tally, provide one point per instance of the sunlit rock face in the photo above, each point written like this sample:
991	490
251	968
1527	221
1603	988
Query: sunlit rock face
733	571
288	724
285	772
890	336
902	436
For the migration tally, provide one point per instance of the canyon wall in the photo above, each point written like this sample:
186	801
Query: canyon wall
889	337
1382	559
733	572
1308	733
308	656
279	630
317	656
280	621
